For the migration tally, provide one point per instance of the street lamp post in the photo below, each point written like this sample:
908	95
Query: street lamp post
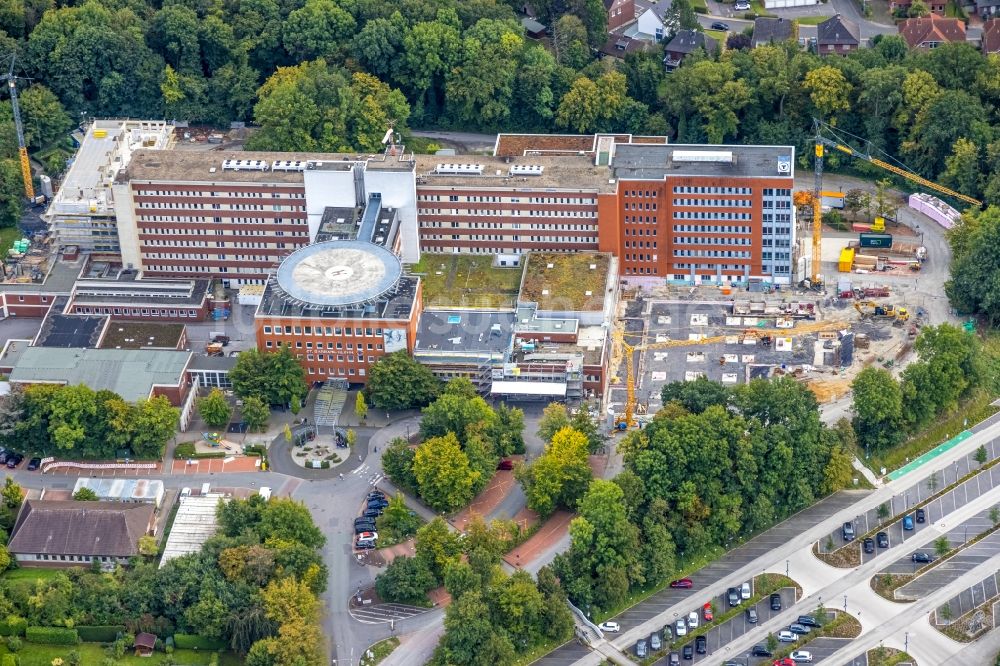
845	603
906	641
786	569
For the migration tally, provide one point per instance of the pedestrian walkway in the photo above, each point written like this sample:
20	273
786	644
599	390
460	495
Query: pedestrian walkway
931	455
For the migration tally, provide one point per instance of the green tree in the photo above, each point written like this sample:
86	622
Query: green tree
255	413
829	90
351	438
962	170
878	408
85	495
286	519
976	264
214	409
981	456
559	477
941	546
506	432
918	8
45	119
470	637
12	494
295	404
397	461
554	418
679	16
398	521
437	545
695	396
995	515
396	381
455	411
406	581
360	406
317	29
154	422
444	477
273	377
378	44
11	193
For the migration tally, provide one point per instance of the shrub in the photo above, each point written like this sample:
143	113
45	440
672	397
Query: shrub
14	643
168	645
52	636
100	633
13	626
8	660
184	450
196	642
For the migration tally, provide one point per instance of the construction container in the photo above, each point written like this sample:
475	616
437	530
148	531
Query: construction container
846	262
883	241
100	133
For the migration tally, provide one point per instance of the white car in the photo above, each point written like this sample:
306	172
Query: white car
786	636
610	627
802	656
680	629
693	620
745	591
741	5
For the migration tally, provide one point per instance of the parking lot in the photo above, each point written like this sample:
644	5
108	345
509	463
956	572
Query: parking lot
728	631
721	568
951	569
974	596
919	492
956	537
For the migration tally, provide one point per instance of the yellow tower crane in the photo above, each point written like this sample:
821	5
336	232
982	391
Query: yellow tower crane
627	420
823	142
22	149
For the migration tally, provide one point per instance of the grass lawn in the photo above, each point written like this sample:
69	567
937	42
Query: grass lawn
30	573
811	20
757	7
93	653
566	284
953	10
7	237
463	280
718	35
700	6
379	651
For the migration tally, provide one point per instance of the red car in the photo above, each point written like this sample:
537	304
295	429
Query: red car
506	464
682	583
787	661
706	612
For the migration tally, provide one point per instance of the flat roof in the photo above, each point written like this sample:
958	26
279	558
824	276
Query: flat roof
566	282
464	332
181	293
187	166
652	162
566	172
141	334
123	490
131	373
518	145
60	277
59	330
202	363
555	389
194	524
337	273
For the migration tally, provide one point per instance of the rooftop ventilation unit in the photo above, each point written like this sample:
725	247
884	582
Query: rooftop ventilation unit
244	165
526	170
722	156
288	165
460	169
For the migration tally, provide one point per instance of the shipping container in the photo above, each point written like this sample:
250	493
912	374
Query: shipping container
876	240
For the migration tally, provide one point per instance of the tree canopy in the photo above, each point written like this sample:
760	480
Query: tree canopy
396	381
273	377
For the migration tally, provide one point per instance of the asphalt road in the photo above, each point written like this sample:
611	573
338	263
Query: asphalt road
917	492
725	566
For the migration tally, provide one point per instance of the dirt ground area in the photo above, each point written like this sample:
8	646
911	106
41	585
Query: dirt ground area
405	549
488	500
548	534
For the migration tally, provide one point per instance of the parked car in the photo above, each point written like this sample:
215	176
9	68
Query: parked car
610	627
719	25
800	629
654	642
4	455
693	620
785	636
376	494
706	612
34	464
364	545
882	539
733	595
701	645
848	531
640	648
921	516
869	545
505	464
674	659
368	536
776	602
784	661
745	591
801	656
682	583
363	528
14	460
751	615
378	502
807	621
372	513
918	557
760	650
908	522
688	651
680	628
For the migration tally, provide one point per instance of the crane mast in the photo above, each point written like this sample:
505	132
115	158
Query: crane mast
22	149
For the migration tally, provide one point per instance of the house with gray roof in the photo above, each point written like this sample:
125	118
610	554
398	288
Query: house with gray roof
684	43
67	533
837	36
771	30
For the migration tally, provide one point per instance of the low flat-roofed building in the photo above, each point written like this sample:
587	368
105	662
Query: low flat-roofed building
66	331
194	524
211	371
464	343
123	294
144	335
143	491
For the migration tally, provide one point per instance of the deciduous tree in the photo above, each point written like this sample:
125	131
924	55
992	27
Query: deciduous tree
214	409
559	477
396	381
444	478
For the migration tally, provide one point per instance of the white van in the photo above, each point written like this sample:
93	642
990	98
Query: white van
265	492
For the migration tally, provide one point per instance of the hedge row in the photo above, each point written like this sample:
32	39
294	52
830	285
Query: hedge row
98	633
52	636
13	626
8	660
196	642
186	450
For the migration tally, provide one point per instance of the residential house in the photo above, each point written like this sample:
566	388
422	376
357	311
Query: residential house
684	43
619	45
929	32
533	28
987	8
67	533
903	6
620	13
837	36
767	30
651	21
991	36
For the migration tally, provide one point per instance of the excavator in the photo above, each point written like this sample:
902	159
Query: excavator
872	310
626	419
821	143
